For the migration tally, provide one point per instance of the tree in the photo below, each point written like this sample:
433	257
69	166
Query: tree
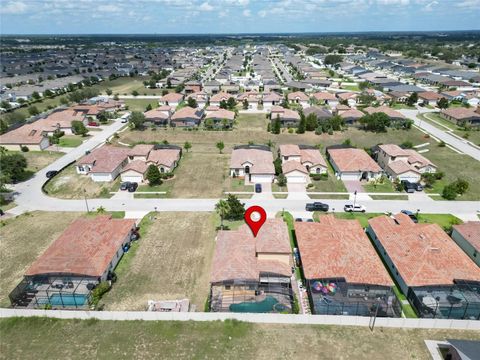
209	123
276	125
449	192
192	102
377	122
429	179
169	83
222	208
333	59
231	103
412	99
64	100
363	85
220	146
179	88
281	180
336	122
407	145
13	167
442	103
245	104
187	146
311	122
135	93
277	163
5	104
236	208
461	186
36	95
149	107
78	128
115	97
33	110
102	117
109	92
153	175
137	119
301	125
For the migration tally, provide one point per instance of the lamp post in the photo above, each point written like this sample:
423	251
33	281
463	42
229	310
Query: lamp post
354	198
418	210
85	197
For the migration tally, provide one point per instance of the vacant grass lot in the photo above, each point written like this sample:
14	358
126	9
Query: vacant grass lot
43	338
37	160
171	260
252	128
472	135
140	104
24	238
70	185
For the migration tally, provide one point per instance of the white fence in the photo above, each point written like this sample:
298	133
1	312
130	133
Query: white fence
252	318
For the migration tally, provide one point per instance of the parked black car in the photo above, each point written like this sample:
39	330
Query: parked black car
50	174
418	186
408	186
316	206
132	187
411	215
258	188
124	185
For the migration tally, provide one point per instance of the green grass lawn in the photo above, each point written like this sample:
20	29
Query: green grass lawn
140	104
44	338
471	135
149	196
444	220
236	184
329	196
361	217
407	309
389	197
70	141
350	87
330	184
385	186
398	106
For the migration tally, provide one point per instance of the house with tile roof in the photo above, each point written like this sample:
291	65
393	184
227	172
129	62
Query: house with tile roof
159	116
287	117
104	163
461	116
171	99
253	162
298	161
29	135
252	274
187	117
467	236
84	255
353	164
271	99
344	275
434	273
300	98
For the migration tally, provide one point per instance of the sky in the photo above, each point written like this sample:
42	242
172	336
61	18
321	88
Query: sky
234	16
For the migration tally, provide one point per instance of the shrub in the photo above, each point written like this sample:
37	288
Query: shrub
24	148
449	192
290	131
461	186
407	145
281	180
98	292
442	144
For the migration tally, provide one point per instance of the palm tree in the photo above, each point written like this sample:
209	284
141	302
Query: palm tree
222	208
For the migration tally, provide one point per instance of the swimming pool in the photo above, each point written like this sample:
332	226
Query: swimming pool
67	300
264	306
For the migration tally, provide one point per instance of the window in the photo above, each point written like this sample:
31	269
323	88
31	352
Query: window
317	170
162	170
80	168
227	287
247	169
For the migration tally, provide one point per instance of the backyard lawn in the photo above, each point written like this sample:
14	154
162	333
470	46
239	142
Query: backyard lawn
140	104
171	260
43	338
24	238
70	185
71	141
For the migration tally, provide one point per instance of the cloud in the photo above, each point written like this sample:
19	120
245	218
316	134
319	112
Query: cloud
262	13
393	2
471	4
430	6
206	7
13	7
223	13
109	8
247	12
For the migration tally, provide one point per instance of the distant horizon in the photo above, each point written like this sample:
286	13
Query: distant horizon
247	33
205	17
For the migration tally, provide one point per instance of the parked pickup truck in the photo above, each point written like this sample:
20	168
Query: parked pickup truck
316	206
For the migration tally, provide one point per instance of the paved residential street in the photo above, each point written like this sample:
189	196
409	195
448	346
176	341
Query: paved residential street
459	144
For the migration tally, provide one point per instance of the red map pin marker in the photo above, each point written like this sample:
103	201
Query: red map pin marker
256	222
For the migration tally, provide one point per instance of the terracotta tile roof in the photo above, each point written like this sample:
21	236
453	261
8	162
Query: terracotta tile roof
429	95
164	108
198	96
351	114
347	95
297	95
24	135
313	156
85	248
138	166
423	254
460	113
324	96
471	232
249	95
261	160
289	150
171	97
343	107
221	114
187	112
272	96
339	248
284	113
140	150
348	160
416	159
156	114
399	167
63	118
165	157
386	110
105	159
221	96
393	150
235	252
293	165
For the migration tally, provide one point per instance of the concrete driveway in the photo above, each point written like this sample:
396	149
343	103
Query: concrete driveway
266	192
353	185
297	191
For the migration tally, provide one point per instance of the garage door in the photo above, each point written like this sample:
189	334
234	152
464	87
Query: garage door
132	178
261	179
410	178
298	179
347	176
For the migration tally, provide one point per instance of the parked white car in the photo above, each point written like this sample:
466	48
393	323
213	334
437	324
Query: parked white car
356	208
